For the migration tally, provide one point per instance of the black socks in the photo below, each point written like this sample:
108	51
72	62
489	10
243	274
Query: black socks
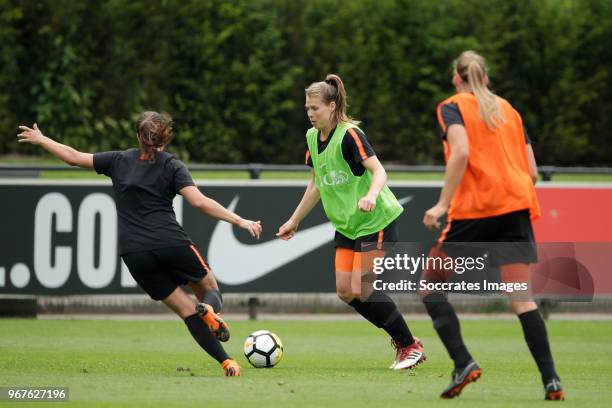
380	310
362	308
536	337
446	324
202	334
213	298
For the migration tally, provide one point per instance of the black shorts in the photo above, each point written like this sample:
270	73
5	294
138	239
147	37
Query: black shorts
389	234
508	238
160	271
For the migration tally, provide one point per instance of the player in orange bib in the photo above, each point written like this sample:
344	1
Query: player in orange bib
489	196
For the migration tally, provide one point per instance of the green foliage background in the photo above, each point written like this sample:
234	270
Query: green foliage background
232	73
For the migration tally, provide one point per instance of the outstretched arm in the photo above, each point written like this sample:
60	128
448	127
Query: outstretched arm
309	200
210	207
63	152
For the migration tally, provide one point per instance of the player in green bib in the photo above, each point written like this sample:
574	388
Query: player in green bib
351	184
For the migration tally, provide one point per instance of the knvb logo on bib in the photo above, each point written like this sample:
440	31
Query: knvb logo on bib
334	178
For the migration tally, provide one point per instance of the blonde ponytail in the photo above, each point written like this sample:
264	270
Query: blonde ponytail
332	90
472	69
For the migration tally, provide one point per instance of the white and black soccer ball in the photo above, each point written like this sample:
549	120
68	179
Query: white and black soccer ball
263	349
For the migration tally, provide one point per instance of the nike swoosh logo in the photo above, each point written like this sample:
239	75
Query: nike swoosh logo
236	263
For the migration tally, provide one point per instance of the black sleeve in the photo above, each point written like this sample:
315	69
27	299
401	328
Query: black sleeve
182	178
308	159
527	138
450	116
104	162
355	147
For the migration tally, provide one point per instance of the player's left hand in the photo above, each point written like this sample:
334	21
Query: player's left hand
33	136
367	203
433	215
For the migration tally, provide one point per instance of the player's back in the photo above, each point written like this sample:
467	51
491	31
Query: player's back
144	192
497	179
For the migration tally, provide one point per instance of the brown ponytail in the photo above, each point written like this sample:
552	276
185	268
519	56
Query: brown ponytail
332	90
472	69
154	132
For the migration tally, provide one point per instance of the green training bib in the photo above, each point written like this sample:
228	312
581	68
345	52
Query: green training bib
341	190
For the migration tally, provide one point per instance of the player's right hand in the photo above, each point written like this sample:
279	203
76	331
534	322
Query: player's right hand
27	135
287	230
431	219
253	227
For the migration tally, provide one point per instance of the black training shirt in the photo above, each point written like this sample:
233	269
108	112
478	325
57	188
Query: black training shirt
144	191
351	151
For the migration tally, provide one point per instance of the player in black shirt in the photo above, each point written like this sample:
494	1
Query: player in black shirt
158	252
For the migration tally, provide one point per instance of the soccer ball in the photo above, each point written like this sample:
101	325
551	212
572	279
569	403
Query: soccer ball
263	349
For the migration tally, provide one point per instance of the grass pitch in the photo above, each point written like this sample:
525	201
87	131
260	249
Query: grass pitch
339	364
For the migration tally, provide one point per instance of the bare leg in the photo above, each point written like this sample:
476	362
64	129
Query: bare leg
180	303
344	268
520	301
205	285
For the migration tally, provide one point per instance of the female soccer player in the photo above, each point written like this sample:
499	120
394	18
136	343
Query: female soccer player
157	250
350	181
489	196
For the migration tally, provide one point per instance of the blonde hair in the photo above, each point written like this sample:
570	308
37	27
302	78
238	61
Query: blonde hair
472	68
332	90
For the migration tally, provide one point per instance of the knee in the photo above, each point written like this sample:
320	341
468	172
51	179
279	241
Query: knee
436	304
430	296
345	294
422	294
520	307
